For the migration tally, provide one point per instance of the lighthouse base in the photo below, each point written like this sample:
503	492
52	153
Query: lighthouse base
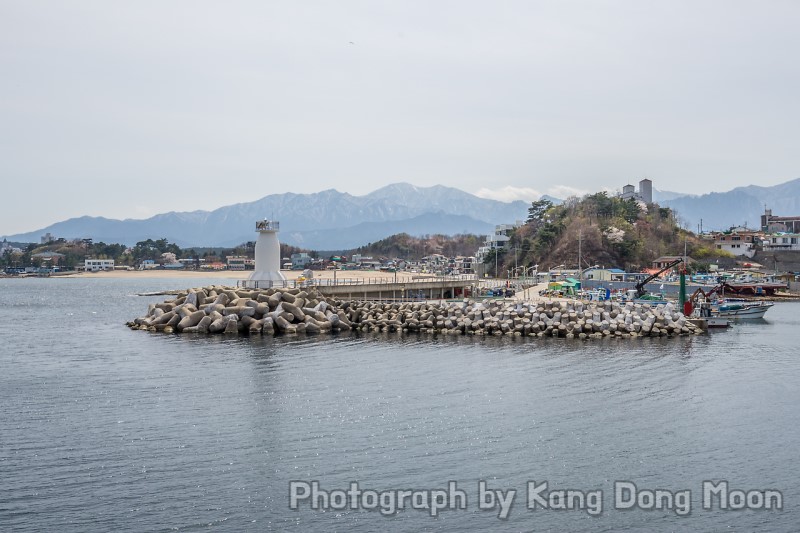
268	276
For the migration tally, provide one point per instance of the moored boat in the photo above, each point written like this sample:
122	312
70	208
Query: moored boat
703	311
717	322
741	309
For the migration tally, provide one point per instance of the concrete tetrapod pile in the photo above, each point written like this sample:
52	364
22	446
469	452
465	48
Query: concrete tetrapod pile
273	311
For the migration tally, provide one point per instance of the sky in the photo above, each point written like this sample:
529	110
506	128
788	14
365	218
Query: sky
129	109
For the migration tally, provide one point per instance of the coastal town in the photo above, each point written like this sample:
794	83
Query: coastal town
517	252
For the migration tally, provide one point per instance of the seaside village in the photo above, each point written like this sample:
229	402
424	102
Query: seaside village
777	235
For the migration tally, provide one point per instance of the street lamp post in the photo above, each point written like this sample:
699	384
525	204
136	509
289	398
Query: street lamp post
515	260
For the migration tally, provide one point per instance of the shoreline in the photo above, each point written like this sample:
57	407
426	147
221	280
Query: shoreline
222	274
229	277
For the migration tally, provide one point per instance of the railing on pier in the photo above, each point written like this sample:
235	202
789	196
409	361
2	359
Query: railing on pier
352	282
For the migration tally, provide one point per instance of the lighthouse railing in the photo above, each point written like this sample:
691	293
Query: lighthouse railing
268	225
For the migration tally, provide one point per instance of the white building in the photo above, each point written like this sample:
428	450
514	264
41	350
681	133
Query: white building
95	265
496	241
781	242
435	262
301	260
738	241
464	265
604	274
240	262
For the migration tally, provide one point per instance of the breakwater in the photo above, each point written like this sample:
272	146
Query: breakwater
273	311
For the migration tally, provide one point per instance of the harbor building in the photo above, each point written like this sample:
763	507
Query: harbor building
604	274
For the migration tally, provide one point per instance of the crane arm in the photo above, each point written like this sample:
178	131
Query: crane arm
640	290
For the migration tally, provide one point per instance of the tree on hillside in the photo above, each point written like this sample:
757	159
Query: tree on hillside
600	204
494	257
151	249
538	210
630	210
101	250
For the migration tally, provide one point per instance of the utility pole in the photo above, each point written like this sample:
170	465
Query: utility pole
685	267
580	257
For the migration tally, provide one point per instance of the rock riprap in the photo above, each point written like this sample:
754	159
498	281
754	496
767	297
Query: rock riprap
218	309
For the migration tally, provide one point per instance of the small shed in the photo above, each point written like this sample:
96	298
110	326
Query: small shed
567	287
606	274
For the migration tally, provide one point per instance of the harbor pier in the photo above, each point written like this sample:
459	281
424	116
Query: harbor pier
271	311
401	288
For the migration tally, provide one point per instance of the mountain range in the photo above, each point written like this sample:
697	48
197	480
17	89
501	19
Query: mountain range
332	220
742	206
326	220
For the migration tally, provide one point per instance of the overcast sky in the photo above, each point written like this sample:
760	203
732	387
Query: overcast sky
128	109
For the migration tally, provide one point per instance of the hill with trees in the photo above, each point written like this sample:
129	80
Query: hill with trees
406	246
611	232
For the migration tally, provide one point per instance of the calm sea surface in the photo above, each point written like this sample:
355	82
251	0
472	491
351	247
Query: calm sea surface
103	428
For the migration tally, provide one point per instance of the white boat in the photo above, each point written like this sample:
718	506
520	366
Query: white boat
741	309
703	310
715	322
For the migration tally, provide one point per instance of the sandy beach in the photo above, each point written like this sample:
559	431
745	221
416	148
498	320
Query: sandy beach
229	277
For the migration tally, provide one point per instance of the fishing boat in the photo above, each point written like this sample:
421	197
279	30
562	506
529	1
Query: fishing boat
740	309
731	308
718	322
704	311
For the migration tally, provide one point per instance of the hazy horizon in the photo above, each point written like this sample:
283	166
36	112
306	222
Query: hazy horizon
131	110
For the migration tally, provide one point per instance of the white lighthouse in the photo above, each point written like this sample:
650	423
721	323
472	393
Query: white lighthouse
268	255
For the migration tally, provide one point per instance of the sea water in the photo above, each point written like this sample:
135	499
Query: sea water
103	428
